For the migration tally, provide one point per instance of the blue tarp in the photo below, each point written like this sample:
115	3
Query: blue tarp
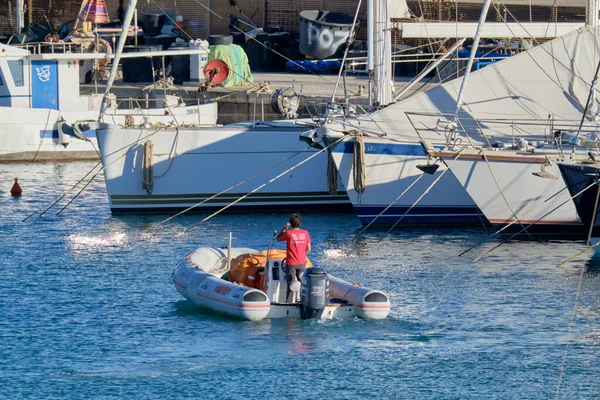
313	65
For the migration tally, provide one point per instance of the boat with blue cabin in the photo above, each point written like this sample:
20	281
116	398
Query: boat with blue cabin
44	116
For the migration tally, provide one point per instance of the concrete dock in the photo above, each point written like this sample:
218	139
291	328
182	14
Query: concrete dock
252	101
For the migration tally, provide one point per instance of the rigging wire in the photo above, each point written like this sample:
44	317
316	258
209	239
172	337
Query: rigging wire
260	187
537	220
458	154
61	196
568	69
564	359
224	191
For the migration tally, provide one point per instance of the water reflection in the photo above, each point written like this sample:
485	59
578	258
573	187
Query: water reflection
299	342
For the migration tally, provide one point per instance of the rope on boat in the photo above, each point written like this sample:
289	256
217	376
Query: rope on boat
358	162
262	186
148	167
173	152
537	220
225	191
332	175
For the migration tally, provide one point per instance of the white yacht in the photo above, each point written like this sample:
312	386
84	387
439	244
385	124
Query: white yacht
43	115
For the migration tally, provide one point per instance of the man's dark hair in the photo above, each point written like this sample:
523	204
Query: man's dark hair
295	220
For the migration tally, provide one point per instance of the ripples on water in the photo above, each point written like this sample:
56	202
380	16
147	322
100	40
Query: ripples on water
88	310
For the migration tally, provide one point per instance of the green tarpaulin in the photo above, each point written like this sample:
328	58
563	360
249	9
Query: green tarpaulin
237	61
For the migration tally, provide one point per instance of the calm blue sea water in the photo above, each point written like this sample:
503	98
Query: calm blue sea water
87	310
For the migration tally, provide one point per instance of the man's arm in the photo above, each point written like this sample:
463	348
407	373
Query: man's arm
287	225
308	248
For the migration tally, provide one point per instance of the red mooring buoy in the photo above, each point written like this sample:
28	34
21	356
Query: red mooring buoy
16	189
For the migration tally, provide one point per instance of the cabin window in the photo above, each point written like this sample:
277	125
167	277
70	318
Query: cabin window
16	70
1	79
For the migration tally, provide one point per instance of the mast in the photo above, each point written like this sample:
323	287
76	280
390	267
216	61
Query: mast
20	16
383	54
463	85
118	51
591	12
370	31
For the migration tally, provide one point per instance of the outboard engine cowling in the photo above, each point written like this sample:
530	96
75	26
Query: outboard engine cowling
314	293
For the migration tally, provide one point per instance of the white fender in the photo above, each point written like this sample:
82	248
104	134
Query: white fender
64	132
368	303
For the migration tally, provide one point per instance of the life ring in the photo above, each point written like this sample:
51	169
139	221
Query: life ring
103	47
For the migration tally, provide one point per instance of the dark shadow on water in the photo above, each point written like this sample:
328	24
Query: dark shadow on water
592	265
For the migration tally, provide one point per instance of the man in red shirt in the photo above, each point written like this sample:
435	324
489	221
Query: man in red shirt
297	245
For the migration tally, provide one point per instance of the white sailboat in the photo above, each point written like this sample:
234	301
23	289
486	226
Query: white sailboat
250	166
43	113
507	100
180	158
519	190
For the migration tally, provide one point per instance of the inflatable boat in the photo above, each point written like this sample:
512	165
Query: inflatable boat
251	285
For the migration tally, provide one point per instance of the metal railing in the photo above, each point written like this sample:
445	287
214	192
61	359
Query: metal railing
540	132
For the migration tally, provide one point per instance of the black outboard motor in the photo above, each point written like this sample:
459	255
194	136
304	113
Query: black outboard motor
314	293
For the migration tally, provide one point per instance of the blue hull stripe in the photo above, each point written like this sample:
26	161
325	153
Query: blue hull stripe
396	149
401	149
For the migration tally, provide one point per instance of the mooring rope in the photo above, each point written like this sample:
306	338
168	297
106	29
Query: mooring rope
147	166
501	191
573	314
261	186
42	138
564	360
226	190
59	198
537	220
78	193
388	207
427	190
89	172
515	221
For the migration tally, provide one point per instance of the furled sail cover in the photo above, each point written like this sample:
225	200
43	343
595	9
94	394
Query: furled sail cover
552	79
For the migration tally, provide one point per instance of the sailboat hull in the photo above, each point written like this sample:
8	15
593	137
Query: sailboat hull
582	182
513	196
391	195
237	168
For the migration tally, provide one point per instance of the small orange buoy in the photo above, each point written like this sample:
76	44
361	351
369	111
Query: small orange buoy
16	189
